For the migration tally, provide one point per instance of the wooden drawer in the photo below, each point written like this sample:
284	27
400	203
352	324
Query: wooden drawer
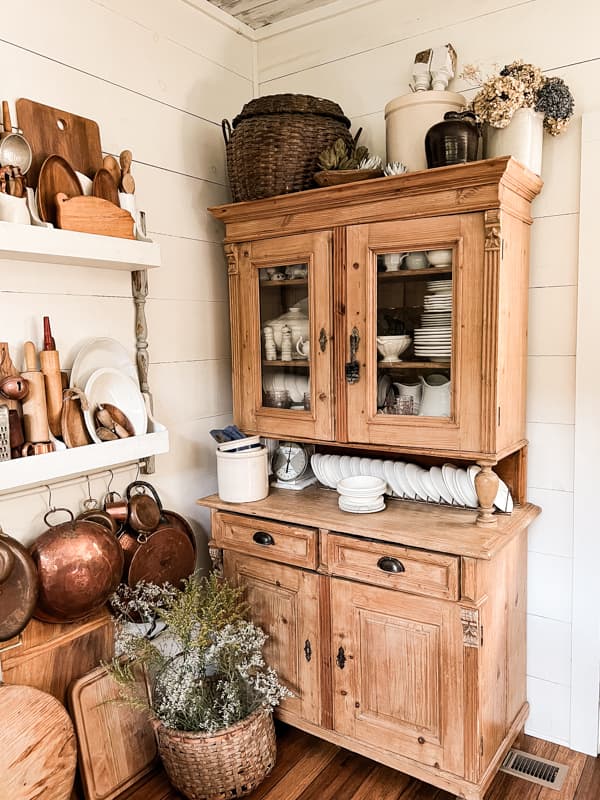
414	571
287	544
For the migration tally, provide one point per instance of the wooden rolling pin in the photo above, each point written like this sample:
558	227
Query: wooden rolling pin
35	415
7	370
50	364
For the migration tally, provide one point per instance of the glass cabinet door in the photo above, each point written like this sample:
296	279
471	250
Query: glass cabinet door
419	331
285	305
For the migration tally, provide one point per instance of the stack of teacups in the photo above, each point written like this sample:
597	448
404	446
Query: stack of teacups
361	495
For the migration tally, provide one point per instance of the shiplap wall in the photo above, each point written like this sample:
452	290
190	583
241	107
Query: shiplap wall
158	77
362	59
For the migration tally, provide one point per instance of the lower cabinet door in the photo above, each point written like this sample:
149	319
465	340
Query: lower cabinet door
284	601
398	673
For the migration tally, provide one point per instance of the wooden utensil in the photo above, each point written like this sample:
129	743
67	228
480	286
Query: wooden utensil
8	370
74	429
116	743
35	414
38	755
105	187
93	215
127	181
112	165
50	366
56	176
52	131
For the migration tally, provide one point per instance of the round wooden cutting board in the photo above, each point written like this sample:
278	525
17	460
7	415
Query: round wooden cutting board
38	750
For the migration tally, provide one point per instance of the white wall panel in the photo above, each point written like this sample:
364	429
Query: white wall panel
552	531
549	587
549	714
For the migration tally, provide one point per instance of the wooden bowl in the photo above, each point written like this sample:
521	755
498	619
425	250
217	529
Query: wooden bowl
335	177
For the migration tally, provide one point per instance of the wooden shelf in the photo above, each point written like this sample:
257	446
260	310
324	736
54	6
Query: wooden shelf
22	473
290	282
54	246
383	365
299	362
414	273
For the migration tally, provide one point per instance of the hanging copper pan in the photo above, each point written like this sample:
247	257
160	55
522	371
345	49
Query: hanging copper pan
165	555
18	587
80	564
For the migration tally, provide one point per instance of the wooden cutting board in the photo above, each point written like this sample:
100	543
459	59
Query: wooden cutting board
50	131
116	743
38	752
93	215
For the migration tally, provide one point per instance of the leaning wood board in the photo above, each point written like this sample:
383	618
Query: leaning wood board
116	743
52	131
38	752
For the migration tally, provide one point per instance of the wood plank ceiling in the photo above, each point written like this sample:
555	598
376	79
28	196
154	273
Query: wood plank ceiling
258	13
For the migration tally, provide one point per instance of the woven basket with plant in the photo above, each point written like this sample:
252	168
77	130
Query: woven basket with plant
210	693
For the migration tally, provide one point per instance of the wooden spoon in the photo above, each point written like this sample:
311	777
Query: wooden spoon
104	186
112	165
127	181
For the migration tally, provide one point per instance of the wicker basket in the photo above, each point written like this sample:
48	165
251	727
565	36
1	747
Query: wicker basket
276	141
221	766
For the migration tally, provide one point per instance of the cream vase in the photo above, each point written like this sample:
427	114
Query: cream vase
522	139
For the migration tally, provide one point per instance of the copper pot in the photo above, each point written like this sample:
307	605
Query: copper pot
102	518
80	564
118	509
18	587
165	555
144	511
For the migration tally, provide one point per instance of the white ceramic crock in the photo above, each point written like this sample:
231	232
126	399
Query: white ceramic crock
243	477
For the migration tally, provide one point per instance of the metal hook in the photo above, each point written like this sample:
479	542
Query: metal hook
112	477
90	502
137	474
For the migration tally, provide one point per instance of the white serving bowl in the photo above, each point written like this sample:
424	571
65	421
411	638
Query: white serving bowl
391	347
439	258
361	486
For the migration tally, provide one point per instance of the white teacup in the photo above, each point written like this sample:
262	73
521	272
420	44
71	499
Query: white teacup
303	347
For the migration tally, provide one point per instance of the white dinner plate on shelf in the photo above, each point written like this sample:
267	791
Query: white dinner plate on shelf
400	473
448	471
377	468
429	486
467	489
373	509
314	464
435	473
99	354
354	466
389	469
333	466
365	466
346	466
329	477
414	480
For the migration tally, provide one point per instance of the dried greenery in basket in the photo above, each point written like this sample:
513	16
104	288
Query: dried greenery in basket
206	672
340	157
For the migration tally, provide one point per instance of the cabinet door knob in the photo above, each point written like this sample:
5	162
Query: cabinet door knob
262	538
388	564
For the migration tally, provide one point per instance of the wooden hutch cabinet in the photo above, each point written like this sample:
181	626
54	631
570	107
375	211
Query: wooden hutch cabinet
401	633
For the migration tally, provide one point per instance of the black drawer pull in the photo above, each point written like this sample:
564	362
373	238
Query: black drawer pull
388	564
260	537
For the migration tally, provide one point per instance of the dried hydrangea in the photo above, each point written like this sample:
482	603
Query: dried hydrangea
498	99
206	671
530	76
557	103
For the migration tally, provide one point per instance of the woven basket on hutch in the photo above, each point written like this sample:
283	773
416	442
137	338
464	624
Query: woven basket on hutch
276	141
220	766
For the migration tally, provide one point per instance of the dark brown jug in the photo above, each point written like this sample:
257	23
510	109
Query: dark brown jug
453	141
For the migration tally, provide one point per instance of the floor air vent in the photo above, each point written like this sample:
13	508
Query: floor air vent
535	769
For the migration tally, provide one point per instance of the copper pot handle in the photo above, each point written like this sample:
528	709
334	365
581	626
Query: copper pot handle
53	510
145	485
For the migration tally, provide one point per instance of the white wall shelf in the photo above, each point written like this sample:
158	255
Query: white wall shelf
55	246
23	473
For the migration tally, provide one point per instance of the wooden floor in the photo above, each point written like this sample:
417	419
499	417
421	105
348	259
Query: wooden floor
310	769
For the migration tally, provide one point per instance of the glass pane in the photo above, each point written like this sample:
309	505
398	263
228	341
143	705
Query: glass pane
414	333
285	336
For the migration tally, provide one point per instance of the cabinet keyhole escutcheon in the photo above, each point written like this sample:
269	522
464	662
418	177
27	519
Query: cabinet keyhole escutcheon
307	650
341	658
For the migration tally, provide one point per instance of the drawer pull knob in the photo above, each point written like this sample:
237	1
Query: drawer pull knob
260	537
341	658
388	564
307	650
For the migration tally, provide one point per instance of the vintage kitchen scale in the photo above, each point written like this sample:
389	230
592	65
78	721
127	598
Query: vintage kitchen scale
291	465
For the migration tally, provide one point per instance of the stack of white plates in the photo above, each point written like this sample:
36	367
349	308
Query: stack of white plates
277	380
433	340
361	495
448	484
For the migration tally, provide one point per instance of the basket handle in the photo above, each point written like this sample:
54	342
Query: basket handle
357	136
226	128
